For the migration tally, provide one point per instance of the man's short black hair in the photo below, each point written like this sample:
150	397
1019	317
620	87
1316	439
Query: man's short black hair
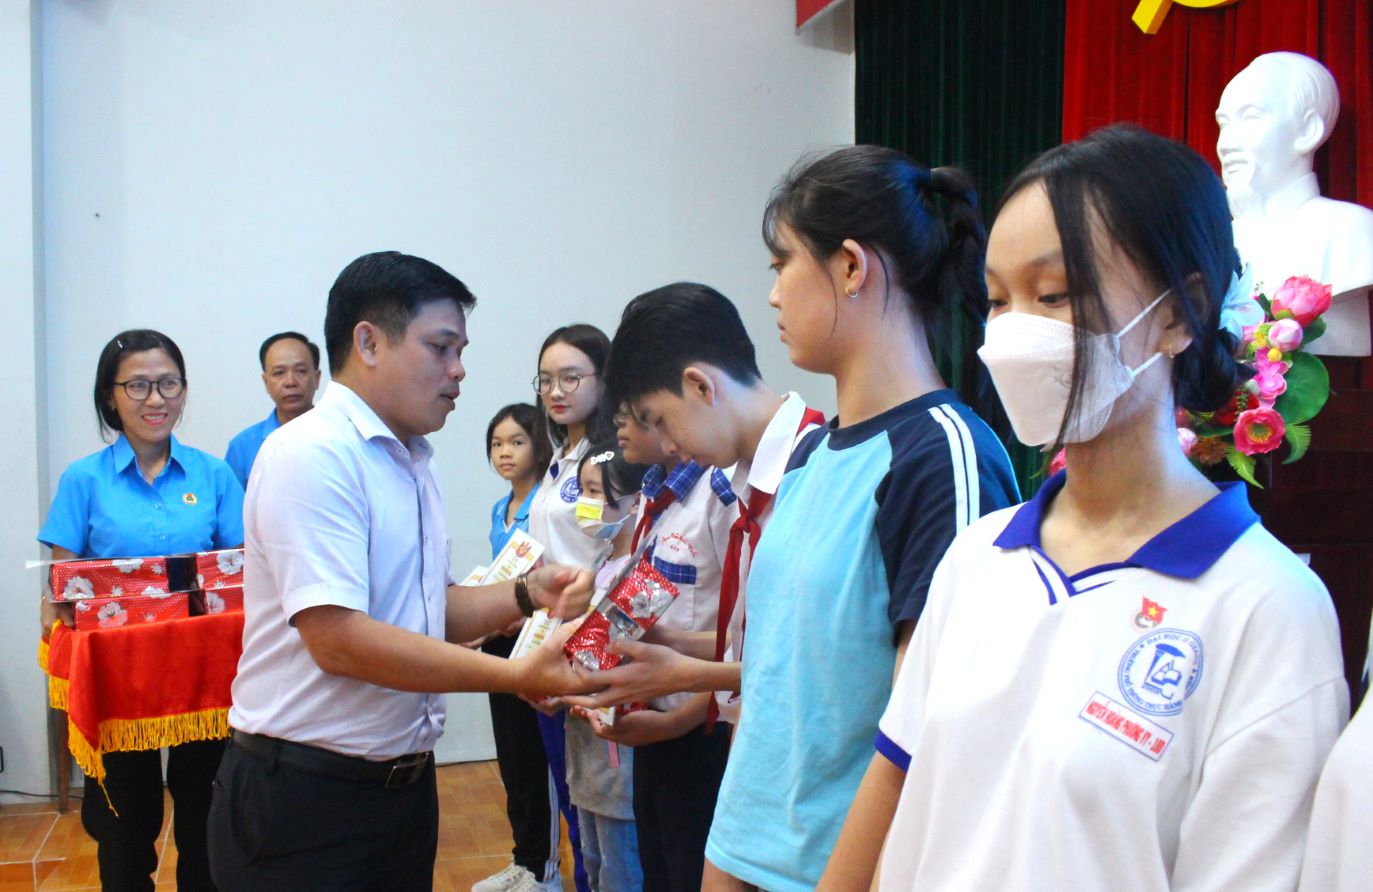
665	330
285	335
387	289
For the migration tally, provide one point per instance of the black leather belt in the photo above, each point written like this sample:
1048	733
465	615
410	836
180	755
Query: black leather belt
398	772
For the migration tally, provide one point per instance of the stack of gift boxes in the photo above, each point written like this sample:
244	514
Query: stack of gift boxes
108	594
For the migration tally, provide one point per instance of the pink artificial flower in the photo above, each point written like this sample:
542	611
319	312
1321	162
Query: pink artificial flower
1285	334
1259	430
1301	298
1247	337
1269	383
1187	439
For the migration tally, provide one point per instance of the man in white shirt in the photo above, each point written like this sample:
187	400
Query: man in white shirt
352	621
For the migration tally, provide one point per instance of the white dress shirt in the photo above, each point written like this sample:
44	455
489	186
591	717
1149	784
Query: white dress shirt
339	512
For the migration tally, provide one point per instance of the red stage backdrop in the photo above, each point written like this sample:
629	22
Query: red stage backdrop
1171	81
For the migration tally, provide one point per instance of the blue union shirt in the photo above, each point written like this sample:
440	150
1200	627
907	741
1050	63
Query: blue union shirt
105	509
243	448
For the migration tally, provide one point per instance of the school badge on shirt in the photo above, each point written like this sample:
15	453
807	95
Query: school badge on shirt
1150	615
189	498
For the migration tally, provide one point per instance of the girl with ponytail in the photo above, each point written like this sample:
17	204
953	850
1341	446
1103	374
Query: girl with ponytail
1125	682
876	257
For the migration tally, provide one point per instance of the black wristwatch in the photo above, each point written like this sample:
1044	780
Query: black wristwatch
522	599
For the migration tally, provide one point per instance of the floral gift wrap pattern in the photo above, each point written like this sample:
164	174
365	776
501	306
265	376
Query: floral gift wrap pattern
118	577
113	613
219	569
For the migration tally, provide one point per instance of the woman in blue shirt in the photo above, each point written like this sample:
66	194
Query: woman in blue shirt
145	494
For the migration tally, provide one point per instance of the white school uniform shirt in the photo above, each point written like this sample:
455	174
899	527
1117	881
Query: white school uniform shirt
762	474
687	545
1339	857
553	515
1149	725
339	512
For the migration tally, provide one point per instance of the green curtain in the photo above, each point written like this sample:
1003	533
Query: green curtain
973	83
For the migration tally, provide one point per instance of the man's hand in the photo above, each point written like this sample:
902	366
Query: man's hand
653	672
565	591
545	670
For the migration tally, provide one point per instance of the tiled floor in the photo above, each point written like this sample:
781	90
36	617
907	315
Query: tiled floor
42	850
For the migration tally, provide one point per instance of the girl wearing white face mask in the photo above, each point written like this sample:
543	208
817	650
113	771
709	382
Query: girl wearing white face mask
1126	682
600	773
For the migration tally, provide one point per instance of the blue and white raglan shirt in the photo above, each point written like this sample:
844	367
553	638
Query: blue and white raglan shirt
687	545
1153	724
861	519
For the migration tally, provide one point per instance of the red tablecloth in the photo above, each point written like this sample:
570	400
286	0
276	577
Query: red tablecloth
143	687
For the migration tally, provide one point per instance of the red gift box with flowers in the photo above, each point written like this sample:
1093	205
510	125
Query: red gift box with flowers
219	569
115	577
634	603
112	613
224	599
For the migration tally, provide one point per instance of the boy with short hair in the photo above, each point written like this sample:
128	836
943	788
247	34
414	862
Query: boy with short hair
682	361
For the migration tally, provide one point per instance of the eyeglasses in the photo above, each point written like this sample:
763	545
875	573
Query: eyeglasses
567	381
141	388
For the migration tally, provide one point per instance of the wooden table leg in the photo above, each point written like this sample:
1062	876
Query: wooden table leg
60	752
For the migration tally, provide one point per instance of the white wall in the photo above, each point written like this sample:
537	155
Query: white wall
210	167
23	701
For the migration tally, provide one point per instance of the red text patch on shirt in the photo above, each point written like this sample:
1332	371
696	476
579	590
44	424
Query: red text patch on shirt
1126	725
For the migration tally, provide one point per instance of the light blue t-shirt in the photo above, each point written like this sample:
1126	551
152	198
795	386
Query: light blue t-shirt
105	509
500	533
243	448
861	519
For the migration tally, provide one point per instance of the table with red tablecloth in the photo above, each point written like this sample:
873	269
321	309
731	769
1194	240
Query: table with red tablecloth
142	687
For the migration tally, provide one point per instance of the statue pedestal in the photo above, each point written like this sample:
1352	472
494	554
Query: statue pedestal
1323	504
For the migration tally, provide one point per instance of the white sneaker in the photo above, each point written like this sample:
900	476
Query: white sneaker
512	877
527	883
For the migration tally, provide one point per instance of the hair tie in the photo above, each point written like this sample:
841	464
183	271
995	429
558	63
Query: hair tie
1239	310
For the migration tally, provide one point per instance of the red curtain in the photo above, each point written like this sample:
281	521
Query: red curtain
1171	82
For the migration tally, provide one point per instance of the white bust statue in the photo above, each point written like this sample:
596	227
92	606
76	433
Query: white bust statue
1273	116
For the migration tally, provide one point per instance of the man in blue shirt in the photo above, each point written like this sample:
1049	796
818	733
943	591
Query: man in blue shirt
290	371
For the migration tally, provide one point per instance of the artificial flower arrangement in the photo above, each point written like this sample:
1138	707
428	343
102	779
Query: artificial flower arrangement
1274	406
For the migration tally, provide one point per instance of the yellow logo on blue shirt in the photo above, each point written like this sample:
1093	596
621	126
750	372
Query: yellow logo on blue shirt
189	498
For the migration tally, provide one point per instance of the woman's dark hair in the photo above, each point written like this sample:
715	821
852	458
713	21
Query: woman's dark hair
883	200
1165	208
619	478
531	419
388	289
593	342
135	340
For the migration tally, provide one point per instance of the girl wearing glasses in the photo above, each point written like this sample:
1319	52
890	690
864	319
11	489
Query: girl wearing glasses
145	494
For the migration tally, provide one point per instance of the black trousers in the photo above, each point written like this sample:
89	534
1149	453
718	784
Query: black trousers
675	785
127	842
274	828
530	798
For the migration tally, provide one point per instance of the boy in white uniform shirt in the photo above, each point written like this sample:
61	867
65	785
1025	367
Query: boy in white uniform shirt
686	512
700	389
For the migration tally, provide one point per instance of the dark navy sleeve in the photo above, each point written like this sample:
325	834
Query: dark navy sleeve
947	470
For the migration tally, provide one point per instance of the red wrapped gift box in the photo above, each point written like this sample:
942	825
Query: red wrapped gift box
225	599
112	613
219	569
115	577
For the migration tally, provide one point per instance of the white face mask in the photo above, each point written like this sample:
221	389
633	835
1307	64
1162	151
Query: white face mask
1030	359
590	513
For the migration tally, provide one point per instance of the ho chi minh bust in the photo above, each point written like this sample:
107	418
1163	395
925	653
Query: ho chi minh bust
1273	116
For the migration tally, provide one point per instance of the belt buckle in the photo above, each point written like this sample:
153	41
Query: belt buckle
406	770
